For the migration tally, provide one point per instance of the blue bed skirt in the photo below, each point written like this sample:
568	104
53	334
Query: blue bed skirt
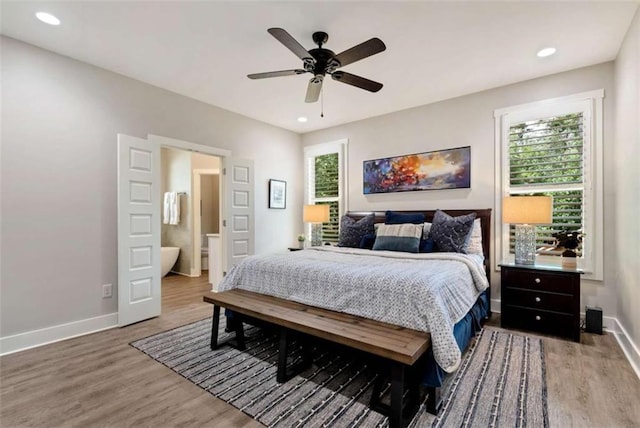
463	331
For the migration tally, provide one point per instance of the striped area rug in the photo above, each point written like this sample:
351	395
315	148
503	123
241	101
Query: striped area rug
501	381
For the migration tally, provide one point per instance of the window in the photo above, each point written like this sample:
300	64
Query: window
554	148
325	183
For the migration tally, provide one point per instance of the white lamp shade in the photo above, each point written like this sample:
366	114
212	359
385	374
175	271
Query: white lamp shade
315	213
527	209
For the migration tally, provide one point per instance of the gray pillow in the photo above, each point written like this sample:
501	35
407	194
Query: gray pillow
351	231
451	234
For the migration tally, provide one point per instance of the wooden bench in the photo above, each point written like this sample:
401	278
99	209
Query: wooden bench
402	347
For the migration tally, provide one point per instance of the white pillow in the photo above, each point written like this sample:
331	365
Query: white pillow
475	242
426	228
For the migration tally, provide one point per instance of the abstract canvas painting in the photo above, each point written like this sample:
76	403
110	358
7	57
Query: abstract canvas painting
441	169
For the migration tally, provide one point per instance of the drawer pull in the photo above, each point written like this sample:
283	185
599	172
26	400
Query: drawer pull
537	280
538	318
538	299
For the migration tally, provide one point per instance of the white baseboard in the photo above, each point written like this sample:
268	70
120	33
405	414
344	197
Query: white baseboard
35	338
629	348
188	275
609	324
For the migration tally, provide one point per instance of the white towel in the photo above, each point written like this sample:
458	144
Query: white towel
166	208
174	206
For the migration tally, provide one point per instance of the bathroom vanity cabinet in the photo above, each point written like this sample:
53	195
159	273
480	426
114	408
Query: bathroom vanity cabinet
215	260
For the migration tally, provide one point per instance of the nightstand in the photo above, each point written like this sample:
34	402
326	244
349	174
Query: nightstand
541	298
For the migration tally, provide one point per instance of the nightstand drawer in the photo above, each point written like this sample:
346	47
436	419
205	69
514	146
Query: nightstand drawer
541	321
536	299
537	280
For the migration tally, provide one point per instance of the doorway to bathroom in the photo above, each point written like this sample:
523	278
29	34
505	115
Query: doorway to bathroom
143	229
206	195
191	186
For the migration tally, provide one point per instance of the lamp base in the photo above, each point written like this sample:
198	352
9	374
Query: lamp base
316	234
525	244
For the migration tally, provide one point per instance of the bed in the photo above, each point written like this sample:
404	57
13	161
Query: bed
386	286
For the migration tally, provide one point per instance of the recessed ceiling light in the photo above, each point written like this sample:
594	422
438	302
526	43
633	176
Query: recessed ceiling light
546	52
302	119
47	18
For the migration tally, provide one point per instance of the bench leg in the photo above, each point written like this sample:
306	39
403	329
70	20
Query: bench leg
281	376
434	400
215	325
397	391
374	402
285	373
239	328
238	343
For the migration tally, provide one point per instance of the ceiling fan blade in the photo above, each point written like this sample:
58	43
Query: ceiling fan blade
361	51
314	88
275	74
291	43
353	80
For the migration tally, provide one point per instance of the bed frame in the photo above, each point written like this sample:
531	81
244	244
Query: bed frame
355	332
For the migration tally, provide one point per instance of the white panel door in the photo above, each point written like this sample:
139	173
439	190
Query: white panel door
138	230
238	225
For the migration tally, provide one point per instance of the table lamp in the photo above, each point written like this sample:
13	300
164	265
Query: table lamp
316	215
525	212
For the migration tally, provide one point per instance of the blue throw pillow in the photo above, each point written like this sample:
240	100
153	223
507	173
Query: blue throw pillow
451	234
351	231
367	241
426	246
392	217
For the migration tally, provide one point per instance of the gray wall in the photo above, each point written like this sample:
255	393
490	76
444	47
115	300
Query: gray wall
626	156
468	121
60	118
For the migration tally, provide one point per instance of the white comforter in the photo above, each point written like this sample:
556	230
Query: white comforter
427	292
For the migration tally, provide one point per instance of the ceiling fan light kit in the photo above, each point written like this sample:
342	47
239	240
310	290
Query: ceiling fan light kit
320	62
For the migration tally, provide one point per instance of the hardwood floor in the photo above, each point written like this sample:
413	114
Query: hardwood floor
100	381
589	384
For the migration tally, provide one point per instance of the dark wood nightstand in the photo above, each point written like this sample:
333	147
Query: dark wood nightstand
541	298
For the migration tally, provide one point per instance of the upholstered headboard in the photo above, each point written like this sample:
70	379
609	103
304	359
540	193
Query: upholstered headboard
485	221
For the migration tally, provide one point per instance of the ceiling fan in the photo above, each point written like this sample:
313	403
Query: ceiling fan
320	62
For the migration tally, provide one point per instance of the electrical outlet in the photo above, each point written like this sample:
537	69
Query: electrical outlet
107	291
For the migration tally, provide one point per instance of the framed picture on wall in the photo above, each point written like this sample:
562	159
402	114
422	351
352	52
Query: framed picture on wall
440	169
277	194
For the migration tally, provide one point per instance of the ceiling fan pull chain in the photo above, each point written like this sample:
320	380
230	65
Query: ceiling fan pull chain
322	102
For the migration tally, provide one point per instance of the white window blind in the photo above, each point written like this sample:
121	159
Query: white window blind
547	157
554	147
325	183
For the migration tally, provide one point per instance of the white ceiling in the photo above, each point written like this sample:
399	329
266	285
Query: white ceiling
435	50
